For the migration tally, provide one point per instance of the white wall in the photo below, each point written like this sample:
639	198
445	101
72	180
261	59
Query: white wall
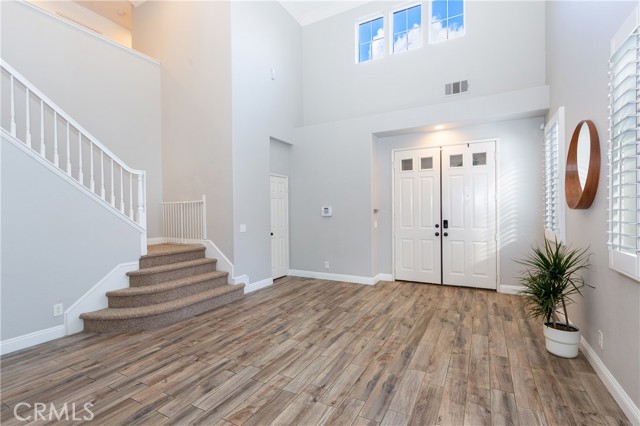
111	91
280	157
192	41
332	164
264	37
578	36
48	255
503	50
519	183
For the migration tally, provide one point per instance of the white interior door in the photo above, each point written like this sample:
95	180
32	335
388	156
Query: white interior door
279	226
417	215
469	215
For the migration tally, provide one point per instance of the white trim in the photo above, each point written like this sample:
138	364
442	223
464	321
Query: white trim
509	289
31	339
223	264
156	240
240	279
333	277
61	174
87	31
617	392
257	285
95	299
382	277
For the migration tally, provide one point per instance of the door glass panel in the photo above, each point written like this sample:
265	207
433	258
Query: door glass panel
407	165
426	163
480	159
455	160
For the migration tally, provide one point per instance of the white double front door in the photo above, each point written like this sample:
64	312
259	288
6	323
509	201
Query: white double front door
445	215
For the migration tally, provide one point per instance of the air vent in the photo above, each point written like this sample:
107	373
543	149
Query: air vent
456	87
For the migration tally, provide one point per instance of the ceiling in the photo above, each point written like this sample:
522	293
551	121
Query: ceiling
304	11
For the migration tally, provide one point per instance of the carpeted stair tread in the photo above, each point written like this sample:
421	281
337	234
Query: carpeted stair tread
110	314
170	267
167	249
168	285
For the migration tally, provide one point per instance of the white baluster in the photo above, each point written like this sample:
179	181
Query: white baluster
130	196
68	151
80	175
42	147
182	216
121	192
92	182
102	192
142	218
28	123
56	156
112	200
204	217
13	108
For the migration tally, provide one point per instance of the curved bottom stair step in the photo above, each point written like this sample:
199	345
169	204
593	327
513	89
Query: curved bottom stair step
123	320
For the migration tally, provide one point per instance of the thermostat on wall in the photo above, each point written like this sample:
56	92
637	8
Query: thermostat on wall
327	211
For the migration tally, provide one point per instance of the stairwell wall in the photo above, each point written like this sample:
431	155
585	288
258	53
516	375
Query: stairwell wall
47	255
192	41
112	91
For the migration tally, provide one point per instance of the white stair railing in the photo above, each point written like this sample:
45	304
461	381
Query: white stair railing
44	127
185	222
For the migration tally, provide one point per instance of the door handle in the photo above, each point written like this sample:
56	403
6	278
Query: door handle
272	234
446	234
445	224
437	225
437	234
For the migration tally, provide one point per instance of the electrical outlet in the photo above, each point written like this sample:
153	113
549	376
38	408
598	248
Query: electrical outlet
600	339
326	264
58	309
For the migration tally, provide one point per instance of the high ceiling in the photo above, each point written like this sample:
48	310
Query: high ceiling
304	11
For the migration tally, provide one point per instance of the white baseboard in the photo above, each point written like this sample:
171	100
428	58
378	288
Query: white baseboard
240	279
95	298
31	339
382	277
223	264
257	285
509	289
333	277
622	398
156	240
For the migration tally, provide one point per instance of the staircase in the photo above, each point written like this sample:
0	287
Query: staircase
174	282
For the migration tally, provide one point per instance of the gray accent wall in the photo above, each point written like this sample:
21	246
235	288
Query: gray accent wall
192	40
264	37
518	178
503	50
49	254
578	45
111	91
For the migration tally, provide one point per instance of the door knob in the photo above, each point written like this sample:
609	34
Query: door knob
437	234
437	225
272	234
446	234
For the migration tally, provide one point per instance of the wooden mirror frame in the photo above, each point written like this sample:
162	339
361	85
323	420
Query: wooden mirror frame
577	196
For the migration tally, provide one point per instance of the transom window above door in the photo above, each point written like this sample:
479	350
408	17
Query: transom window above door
407	28
371	39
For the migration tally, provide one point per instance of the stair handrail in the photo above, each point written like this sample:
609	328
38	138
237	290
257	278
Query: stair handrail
31	90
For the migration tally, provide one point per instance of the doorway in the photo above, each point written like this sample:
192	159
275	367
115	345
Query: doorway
279	226
445	215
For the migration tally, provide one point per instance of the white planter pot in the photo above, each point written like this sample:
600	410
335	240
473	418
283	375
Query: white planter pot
562	343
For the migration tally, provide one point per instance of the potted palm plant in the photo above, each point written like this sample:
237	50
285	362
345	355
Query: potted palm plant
550	281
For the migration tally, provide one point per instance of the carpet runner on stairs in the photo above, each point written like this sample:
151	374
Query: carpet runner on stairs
174	282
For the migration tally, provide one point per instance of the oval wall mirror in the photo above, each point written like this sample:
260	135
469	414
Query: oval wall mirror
583	166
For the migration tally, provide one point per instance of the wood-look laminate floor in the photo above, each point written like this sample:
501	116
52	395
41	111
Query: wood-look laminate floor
312	352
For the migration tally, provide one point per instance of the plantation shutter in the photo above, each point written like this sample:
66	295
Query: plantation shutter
551	179
623	154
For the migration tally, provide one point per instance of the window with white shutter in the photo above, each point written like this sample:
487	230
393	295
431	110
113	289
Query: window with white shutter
623	150
554	210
